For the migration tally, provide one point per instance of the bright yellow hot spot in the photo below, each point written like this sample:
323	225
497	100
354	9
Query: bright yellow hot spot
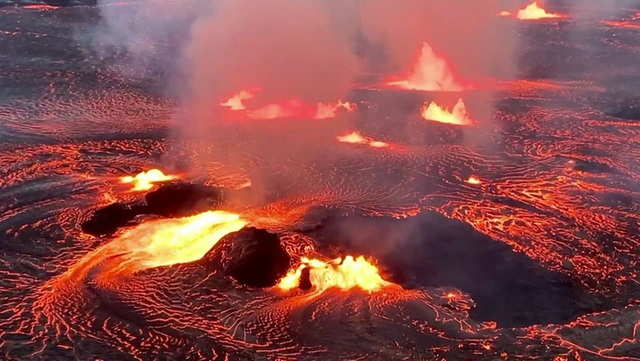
180	240
458	115
341	273
534	12
473	180
144	181
353	137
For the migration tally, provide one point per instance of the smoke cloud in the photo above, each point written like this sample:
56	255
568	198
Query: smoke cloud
299	53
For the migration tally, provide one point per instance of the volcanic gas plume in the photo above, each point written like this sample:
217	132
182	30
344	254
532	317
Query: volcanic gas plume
320	180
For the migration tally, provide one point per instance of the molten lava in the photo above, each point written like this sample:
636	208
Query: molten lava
290	108
356	138
166	242
144	181
344	274
473	180
430	73
534	12
329	110
41	7
236	102
457	116
622	24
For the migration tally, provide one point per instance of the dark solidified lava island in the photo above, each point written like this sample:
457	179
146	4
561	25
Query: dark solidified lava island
395	226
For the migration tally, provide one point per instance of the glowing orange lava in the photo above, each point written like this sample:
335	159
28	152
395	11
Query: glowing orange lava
457	116
344	274
144	181
356	138
155	243
622	24
329	110
236	102
430	73
473	180
289	108
534	12
181	240
41	7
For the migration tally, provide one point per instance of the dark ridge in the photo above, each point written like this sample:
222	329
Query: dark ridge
592	167
431	250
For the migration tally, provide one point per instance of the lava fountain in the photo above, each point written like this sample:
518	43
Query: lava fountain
457	116
534	12
161	242
431	72
344	274
144	181
288	108
236	101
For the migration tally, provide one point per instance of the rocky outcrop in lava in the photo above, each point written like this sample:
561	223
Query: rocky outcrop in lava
253	257
107	220
182	199
171	200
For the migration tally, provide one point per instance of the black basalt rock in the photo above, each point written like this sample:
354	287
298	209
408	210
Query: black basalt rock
107	220
183	199
254	257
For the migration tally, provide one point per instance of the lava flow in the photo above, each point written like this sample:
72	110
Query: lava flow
534	12
290	108
162	242
356	138
431	72
340	273
144	181
41	7
457	116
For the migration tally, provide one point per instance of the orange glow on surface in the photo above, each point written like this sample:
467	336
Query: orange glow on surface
534	12
344	274
430	73
505	13
356	138
457	116
622	24
473	180
144	181
41	7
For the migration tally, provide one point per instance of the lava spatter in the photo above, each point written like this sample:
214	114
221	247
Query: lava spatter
344	274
